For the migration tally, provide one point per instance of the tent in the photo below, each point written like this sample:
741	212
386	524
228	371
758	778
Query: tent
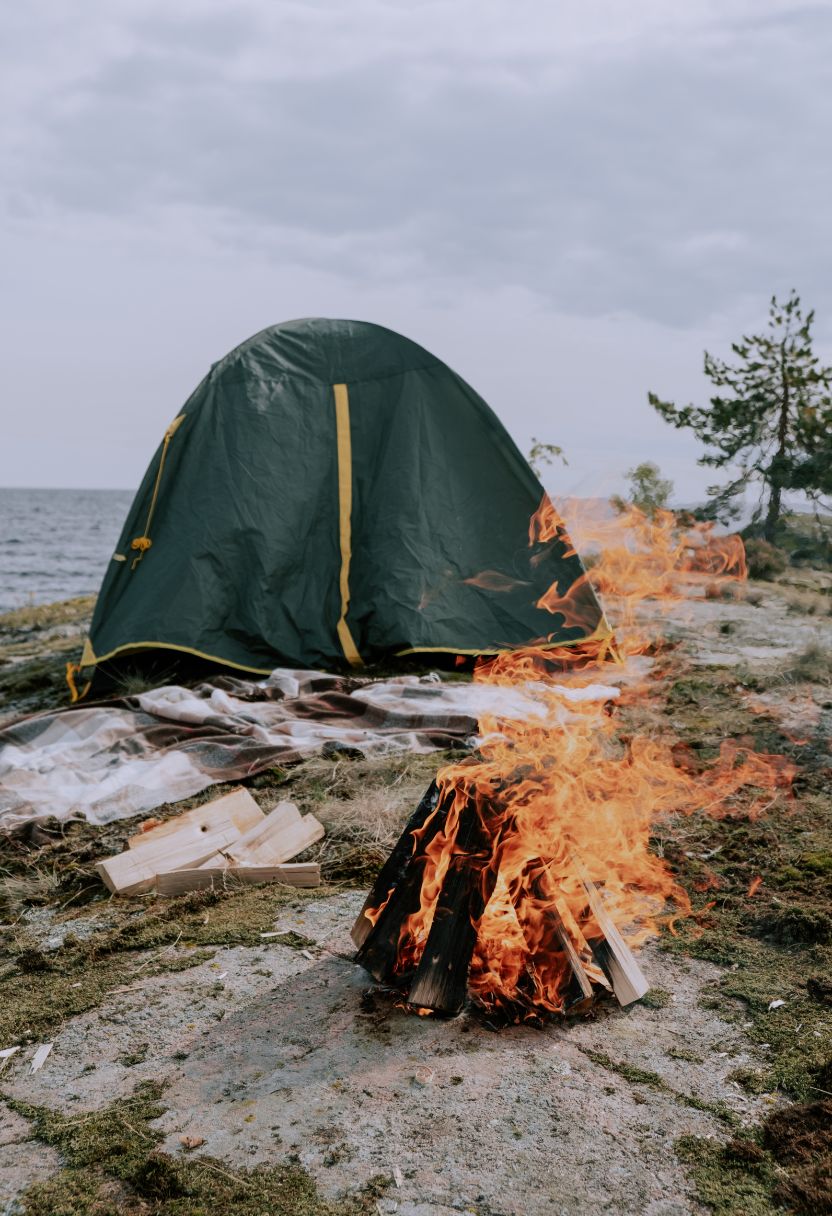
331	493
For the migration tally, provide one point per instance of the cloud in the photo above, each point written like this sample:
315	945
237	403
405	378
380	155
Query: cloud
656	164
566	204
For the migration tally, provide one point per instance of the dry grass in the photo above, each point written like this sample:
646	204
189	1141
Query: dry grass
812	666
808	603
45	616
363	804
36	888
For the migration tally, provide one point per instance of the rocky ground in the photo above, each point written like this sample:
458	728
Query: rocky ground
202	1064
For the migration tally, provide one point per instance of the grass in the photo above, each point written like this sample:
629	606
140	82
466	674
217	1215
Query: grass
112	1164
33	659
761	887
813	665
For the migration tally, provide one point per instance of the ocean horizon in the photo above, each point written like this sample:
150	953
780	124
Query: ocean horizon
55	544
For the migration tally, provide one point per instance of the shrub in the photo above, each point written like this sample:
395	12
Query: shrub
764	560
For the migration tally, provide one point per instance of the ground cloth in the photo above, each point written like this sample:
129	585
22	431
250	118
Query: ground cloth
128	756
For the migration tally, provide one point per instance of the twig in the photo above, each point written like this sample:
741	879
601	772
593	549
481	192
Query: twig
210	1165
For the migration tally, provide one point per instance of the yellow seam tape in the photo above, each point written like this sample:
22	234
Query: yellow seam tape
603	632
134	647
342	427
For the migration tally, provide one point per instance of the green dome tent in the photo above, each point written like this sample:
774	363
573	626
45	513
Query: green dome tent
331	491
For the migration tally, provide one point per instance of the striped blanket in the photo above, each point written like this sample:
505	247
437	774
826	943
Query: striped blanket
126	757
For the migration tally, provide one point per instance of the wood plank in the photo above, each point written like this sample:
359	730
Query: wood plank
237	809
278	821
134	871
298	874
286	844
611	952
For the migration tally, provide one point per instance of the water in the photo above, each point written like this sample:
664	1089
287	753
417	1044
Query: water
55	544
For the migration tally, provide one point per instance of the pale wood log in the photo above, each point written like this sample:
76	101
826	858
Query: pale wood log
258	839
570	926
297	874
287	844
540	914
611	952
236	809
134	871
279	845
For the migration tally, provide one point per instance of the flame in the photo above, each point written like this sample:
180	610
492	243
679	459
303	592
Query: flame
567	798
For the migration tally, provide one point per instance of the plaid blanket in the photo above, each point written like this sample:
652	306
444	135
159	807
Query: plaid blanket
125	757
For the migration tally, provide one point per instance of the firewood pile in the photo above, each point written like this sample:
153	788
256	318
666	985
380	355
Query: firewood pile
227	839
582	948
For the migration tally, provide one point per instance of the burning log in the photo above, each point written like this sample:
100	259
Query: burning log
441	979
492	887
574	960
394	868
612	953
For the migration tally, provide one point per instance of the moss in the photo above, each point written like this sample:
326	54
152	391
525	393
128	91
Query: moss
656	998
41	990
630	1072
785	1163
797	925
112	1164
818	863
644	1076
679	1053
752	1080
727	1183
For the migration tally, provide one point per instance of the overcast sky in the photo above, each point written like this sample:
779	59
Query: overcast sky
566	202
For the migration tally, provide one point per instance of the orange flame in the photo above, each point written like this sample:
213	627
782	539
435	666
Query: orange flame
566	796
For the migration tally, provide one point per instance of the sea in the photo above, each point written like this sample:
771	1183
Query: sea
55	544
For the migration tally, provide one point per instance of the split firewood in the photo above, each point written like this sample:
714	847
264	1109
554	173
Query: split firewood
399	892
278	821
393	870
553	950
231	831
235	809
134	871
441	979
297	874
611	952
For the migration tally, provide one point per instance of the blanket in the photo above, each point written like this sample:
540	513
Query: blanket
126	757
129	756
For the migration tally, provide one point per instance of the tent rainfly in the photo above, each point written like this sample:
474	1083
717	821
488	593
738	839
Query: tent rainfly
332	492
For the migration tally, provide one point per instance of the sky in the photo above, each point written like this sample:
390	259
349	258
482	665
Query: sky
567	203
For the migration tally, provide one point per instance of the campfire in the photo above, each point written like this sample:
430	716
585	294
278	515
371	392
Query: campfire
524	879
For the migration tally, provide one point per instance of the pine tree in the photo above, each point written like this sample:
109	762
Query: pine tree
771	416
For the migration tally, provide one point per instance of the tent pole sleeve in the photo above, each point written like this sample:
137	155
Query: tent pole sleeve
342	428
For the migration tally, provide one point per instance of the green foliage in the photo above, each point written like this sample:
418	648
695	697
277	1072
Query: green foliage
649	491
771	416
542	454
